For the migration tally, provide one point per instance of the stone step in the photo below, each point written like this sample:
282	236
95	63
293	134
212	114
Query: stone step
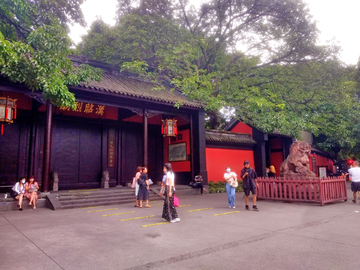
102	203
91	198
93	193
114	199
99	196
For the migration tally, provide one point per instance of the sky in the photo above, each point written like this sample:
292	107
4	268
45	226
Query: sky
336	19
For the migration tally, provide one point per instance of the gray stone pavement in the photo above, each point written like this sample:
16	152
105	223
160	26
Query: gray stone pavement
279	236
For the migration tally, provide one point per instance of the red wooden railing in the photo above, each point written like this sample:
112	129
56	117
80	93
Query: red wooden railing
303	190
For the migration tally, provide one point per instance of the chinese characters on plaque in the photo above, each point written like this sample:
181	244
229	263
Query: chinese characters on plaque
111	148
87	108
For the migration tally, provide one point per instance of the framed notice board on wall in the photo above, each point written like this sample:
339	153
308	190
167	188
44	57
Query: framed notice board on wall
177	152
322	172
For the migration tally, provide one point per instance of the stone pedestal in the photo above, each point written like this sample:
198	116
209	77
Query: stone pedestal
105	180
56	181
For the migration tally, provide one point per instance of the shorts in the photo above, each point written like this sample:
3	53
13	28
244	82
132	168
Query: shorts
355	186
247	191
13	194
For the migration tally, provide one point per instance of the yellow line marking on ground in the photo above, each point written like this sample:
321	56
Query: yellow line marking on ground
196	210
136	218
118	214
82	193
84	190
102	210
184	205
150	225
156	204
91	207
227	213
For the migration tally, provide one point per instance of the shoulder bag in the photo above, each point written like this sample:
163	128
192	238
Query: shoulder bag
176	201
234	184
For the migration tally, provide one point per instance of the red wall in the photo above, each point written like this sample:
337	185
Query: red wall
218	159
276	144
321	162
179	166
242	128
276	160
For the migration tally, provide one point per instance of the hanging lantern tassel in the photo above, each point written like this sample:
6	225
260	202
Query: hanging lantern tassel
6	110
15	112
2	129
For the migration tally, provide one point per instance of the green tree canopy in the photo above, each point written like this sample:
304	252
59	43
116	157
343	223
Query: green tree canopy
258	57
34	47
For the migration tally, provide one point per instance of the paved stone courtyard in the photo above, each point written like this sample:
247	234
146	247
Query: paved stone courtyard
209	236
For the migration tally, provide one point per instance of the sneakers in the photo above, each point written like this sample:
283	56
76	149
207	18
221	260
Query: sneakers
234	206
255	208
247	207
175	220
165	220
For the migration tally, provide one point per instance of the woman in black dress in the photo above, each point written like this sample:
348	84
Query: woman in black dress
169	211
143	194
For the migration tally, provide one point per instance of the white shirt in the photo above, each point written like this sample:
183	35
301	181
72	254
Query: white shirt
354	174
170	178
232	174
17	188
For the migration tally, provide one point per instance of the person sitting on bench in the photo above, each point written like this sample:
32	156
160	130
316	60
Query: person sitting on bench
17	192
198	183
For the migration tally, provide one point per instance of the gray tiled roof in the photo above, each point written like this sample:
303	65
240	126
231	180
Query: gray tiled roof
226	137
124	84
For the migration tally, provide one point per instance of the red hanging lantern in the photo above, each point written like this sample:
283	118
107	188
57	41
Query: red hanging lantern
7	111
169	127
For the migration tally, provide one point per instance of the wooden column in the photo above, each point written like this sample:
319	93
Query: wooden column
47	148
119	156
199	146
192	148
146	138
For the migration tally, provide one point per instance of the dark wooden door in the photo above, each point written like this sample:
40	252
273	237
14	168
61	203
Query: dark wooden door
76	153
14	149
132	150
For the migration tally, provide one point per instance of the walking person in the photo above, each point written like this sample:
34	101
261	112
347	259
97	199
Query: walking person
169	211
18	191
354	177
31	188
143	194
231	183
249	177
137	176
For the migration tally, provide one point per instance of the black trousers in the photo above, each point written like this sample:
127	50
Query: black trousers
169	209
199	185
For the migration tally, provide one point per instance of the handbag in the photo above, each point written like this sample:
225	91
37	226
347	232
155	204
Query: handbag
133	184
234	184
32	190
176	201
150	182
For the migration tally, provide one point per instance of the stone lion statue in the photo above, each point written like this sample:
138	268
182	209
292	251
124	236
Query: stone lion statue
297	163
